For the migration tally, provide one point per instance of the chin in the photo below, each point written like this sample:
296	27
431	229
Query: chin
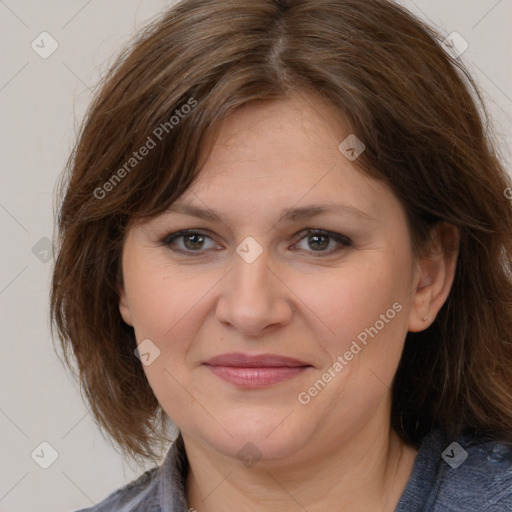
259	435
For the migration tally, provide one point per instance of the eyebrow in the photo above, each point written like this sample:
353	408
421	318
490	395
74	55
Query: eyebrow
289	214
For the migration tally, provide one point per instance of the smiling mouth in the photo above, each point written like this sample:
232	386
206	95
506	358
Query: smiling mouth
255	371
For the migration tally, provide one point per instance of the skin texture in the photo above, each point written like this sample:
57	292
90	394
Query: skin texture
302	297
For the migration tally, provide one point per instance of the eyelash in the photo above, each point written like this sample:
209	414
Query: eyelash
342	240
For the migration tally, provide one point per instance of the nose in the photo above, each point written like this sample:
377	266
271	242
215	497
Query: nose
254	300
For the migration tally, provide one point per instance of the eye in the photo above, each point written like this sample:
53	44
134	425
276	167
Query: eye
189	241
324	242
196	242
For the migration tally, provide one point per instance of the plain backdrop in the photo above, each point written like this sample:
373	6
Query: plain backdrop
42	101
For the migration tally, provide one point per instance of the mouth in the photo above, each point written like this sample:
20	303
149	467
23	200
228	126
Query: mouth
255	371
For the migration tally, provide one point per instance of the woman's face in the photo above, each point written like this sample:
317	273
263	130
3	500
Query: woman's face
289	251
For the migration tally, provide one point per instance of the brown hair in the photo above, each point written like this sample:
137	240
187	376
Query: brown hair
421	119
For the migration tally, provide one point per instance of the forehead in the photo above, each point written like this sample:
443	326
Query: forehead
300	124
281	154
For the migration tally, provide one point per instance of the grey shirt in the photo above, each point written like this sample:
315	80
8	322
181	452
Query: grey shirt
468	474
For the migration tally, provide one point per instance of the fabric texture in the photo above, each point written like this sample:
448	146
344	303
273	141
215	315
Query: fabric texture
468	474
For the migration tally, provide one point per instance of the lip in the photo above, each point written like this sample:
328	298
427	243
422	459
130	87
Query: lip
241	360
255	371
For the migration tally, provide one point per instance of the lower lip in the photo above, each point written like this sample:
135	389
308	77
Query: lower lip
256	377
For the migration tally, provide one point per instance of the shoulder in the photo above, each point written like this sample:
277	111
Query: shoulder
160	488
474	473
141	495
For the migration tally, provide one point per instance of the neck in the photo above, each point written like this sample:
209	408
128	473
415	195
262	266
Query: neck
369	471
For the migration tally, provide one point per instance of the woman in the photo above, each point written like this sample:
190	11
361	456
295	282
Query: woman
285	231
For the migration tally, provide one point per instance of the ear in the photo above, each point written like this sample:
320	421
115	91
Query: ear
434	276
124	307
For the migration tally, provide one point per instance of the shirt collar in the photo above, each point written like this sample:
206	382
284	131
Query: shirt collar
173	476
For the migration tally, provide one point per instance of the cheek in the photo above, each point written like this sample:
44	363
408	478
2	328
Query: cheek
354	299
365	308
163	310
167	308
160	297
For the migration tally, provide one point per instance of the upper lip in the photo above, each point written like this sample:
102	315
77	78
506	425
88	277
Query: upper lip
240	360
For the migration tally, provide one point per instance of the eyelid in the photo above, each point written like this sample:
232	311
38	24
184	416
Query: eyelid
168	239
343	240
317	231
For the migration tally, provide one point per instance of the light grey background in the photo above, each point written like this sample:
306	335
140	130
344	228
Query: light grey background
42	101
